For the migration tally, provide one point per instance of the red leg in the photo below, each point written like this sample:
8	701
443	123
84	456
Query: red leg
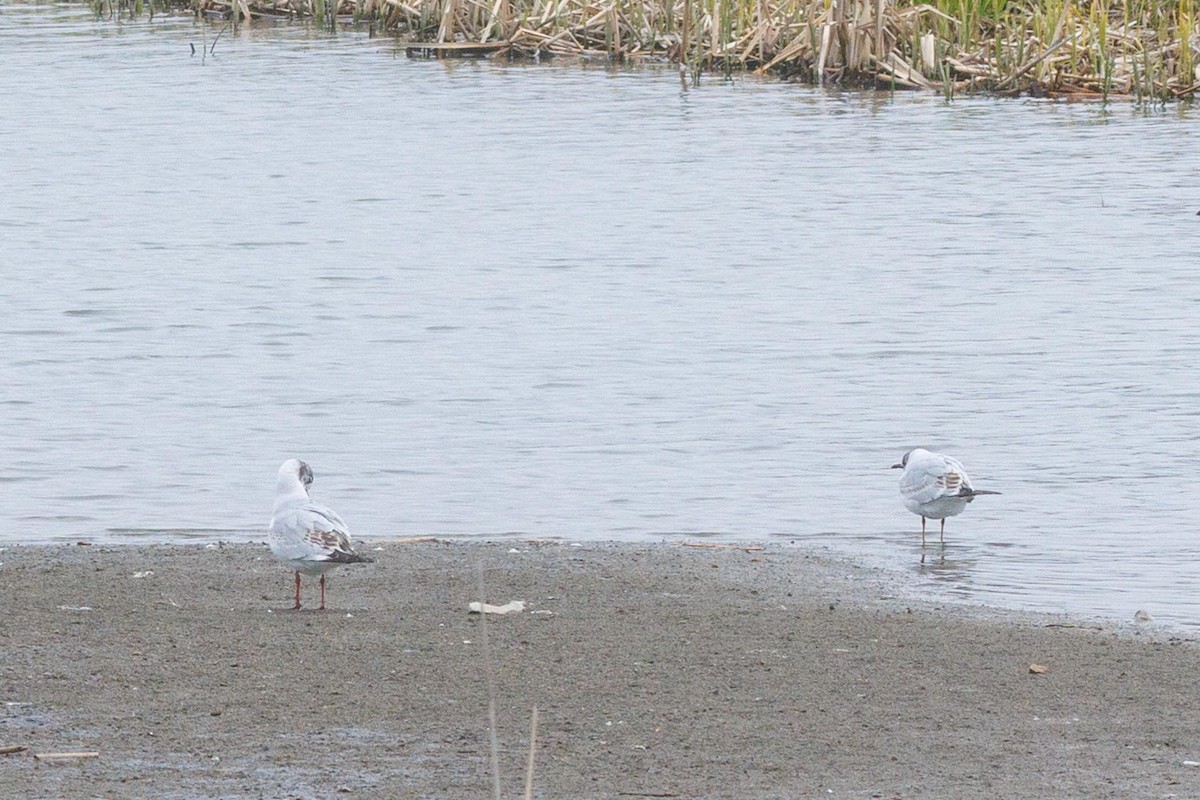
322	608
297	606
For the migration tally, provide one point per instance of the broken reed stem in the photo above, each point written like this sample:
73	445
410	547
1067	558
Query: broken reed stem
532	750
490	680
1049	52
1141	48
61	756
685	41
495	744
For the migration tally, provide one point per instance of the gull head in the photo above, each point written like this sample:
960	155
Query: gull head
911	454
294	477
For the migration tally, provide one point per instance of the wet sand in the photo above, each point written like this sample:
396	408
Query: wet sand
657	670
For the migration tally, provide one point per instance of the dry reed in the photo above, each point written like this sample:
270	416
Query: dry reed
1147	50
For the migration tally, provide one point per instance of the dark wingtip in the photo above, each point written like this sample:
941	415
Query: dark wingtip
343	557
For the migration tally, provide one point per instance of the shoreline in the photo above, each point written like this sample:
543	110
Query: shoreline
1131	52
657	670
889	580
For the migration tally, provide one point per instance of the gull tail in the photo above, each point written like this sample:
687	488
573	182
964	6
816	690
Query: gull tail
343	557
973	492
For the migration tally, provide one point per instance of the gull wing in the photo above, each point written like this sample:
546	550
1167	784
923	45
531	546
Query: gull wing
311	532
931	476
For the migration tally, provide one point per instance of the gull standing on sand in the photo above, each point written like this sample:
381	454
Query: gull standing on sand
935	486
308	536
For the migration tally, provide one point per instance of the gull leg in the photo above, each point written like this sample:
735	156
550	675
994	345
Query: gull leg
922	531
297	606
943	535
322	608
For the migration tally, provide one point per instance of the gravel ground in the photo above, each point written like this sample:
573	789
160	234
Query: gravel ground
658	670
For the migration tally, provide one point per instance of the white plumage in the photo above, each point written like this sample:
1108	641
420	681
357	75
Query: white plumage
310	537
935	486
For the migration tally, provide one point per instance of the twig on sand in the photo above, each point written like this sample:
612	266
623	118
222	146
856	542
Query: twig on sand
16	748
403	540
532	750
491	687
58	756
714	546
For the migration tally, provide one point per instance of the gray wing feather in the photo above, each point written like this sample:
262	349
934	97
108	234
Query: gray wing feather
932	477
310	532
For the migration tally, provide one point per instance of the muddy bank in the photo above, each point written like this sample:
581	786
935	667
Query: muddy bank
658	671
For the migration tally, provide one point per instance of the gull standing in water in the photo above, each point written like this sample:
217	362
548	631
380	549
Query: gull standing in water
308	536
935	486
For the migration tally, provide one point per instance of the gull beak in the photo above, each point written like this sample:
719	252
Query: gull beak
897	466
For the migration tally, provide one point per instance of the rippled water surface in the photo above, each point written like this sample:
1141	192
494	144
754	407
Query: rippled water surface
565	301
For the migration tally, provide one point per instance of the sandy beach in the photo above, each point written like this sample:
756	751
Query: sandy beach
658	670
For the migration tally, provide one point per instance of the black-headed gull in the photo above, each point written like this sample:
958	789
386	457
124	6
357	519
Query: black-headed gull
935	487
308	536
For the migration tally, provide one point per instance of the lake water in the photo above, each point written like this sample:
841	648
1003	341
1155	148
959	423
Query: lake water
569	301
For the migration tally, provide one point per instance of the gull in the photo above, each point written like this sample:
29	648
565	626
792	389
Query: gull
935	486
308	536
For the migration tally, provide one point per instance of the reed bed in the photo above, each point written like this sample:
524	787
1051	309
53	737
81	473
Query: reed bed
1146	50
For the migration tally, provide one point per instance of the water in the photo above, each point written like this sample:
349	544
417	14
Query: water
565	301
